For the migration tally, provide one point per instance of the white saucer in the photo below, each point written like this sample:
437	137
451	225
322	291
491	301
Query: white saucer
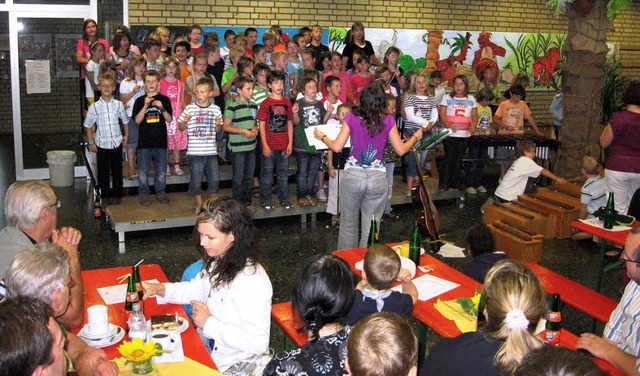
184	325
85	333
106	341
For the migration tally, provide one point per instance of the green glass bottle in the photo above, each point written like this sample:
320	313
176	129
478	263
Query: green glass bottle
415	245
132	296
609	213
554	322
136	281
373	232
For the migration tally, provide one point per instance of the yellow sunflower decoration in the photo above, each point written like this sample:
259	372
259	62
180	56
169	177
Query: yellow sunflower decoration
137	351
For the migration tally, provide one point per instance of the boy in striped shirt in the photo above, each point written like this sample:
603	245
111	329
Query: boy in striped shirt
202	120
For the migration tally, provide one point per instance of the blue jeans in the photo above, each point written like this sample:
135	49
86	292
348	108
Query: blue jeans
243	163
308	166
409	161
363	194
390	167
159	158
279	161
200	165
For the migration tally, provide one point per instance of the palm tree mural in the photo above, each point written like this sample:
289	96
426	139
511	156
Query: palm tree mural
583	70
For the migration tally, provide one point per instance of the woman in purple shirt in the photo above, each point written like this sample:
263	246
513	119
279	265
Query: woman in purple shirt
622	168
363	184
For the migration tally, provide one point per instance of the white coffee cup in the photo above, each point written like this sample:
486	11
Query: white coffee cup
164	338
98	318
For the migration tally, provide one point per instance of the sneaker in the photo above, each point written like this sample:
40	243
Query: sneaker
163	199
310	201
287	206
471	191
144	200
168	170
321	195
481	189
178	171
302	202
267	207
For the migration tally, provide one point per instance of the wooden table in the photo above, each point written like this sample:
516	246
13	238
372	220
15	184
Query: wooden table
94	279
607	238
428	315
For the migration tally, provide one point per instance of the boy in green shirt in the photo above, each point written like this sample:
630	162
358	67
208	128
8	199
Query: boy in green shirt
240	124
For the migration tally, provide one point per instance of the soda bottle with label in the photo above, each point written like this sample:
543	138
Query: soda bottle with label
554	322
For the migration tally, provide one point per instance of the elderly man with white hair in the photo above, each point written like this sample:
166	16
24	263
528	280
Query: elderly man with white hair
31	208
43	273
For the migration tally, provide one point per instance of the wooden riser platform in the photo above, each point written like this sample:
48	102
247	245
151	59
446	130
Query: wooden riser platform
180	212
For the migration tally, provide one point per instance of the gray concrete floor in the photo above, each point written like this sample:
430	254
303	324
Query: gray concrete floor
289	243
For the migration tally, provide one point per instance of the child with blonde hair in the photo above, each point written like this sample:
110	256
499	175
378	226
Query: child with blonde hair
514	303
164	33
131	88
172	87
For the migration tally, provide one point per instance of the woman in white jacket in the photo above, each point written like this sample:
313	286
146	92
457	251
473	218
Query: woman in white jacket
231	296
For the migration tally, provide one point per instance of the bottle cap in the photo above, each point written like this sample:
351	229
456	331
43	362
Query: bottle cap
135	306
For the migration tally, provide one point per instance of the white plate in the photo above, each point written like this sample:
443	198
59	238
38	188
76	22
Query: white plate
85	333
184	325
108	341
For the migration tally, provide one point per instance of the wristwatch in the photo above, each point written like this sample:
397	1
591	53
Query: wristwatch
91	142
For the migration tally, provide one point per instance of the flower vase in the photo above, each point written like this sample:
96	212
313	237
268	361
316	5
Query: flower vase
142	368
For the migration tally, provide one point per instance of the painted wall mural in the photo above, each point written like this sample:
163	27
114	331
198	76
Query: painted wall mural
470	53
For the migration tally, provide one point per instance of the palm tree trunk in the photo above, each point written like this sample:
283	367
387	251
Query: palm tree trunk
585	50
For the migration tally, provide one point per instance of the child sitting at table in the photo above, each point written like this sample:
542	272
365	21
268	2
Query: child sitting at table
381	268
382	344
482	247
593	194
514	182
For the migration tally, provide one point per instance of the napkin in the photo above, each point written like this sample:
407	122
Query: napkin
450	250
188	367
453	311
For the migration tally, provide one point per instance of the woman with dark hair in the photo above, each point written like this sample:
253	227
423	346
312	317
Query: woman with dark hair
231	296
322	298
482	247
620	136
356	40
363	183
120	54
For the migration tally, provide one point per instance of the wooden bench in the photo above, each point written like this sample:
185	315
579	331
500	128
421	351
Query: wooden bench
574	294
282	314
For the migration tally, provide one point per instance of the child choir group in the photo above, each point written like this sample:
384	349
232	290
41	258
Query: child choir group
249	103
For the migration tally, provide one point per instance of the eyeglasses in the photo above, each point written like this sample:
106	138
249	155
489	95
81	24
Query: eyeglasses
622	258
57	204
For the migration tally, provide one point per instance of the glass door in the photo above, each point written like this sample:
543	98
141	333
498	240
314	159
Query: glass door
47	111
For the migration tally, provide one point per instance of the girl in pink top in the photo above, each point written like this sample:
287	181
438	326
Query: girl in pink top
336	70
90	34
171	86
360	80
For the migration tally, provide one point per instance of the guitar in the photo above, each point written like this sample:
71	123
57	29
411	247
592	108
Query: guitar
426	213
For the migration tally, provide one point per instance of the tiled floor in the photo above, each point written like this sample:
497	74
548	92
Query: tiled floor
289	243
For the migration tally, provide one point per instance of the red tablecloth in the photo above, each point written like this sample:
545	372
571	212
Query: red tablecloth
615	237
94	279
426	312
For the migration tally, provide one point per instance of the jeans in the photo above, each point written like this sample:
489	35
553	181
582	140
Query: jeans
390	167
363	196
243	164
308	166
454	149
200	165
110	165
475	168
159	158
279	161
409	160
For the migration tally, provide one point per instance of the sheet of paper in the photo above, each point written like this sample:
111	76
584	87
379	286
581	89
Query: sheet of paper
117	293
176	354
598	223
330	129
429	286
451	250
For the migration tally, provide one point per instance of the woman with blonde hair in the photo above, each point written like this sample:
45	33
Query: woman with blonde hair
514	303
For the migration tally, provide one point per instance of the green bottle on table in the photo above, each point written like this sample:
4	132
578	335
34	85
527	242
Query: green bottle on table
609	213
554	322
136	281
415	245
373	232
132	296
